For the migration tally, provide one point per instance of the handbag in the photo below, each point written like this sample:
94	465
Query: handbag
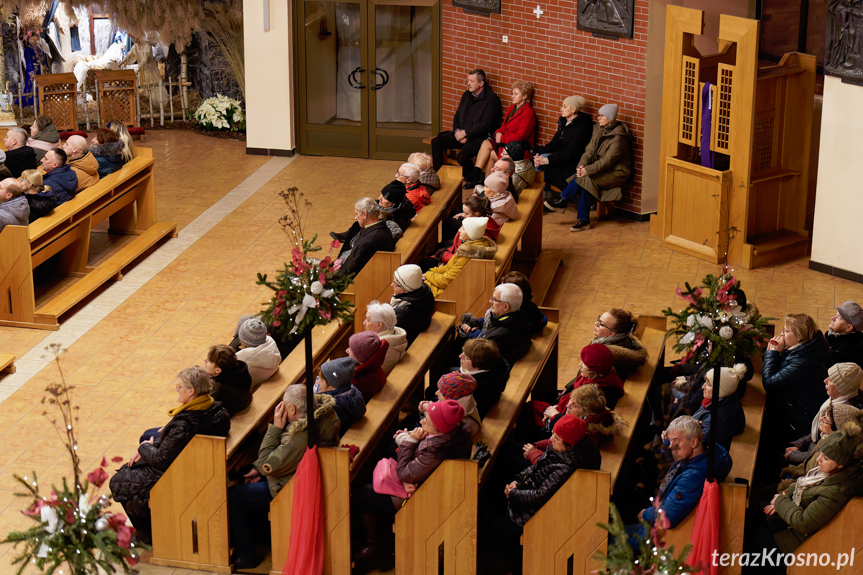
385	479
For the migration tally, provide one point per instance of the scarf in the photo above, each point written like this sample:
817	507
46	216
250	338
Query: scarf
814	477
611	339
201	403
816	423
705	403
474	372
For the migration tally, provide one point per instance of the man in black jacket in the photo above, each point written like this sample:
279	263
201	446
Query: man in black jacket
504	323
364	240
20	156
477	117
845	334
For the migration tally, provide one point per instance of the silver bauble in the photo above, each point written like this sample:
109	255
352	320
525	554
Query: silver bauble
101	524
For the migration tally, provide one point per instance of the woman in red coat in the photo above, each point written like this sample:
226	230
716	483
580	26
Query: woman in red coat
519	124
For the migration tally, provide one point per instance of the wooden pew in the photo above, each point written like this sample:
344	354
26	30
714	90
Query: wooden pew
839	537
127	198
563	536
373	283
7	363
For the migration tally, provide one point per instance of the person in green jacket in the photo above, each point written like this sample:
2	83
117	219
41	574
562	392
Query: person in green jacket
281	450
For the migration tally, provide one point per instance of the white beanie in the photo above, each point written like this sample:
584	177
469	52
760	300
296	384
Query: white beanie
728	379
409	277
474	227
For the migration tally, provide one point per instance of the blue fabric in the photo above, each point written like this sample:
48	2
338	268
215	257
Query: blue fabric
571	191
732	420
108	164
63	182
249	507
153	433
350	406
583	212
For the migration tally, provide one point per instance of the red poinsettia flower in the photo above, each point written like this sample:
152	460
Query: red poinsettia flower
98	476
35	509
70	516
117	459
335	244
276	323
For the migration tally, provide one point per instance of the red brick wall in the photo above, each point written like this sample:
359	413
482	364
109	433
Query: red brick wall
557	58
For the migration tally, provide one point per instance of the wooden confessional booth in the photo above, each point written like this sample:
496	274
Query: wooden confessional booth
760	129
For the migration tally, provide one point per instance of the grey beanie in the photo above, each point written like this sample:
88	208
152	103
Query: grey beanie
252	332
339	372
609	111
241	321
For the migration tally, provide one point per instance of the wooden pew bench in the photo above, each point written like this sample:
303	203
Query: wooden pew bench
373	283
838	538
127	198
7	363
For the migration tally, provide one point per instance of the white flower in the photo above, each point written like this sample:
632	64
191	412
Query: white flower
49	515
317	287
690	321
726	332
83	504
706	322
688	338
327	293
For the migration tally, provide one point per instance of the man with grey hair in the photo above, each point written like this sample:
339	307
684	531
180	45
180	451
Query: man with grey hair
14	209
367	236
19	156
409	175
282	448
82	161
504	323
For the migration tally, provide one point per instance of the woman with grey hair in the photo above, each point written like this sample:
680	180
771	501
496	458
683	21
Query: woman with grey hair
381	319
197	413
409	175
368	235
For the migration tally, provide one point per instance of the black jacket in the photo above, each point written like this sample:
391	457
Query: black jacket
109	157
478	116
24	158
375	238
511	333
234	388
534	316
131	486
41	204
539	482
489	386
569	142
732	420
414	310
63	182
847	348
401	214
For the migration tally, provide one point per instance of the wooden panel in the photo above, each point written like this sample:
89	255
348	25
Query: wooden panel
542	275
764	207
58	99
690	100
7	363
721	125
117	96
527	230
838	538
373	283
17	303
472	288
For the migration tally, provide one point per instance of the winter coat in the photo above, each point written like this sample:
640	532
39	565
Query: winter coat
41	204
350	406
87	169
414	310
63	182
819	504
15	212
518	126
479	115
629	354
369	377
601	427
691	402
233	388
131	485
794	382
282	449
401	215
430	180
398	345
489	386
263	361
511	333
492	230
503	208
47	139
539	482
109	157
610	384
570	140
24	158
732	420
606	160
845	348
471	415
440	277
680	490
418	196
537	319
525	174
368	241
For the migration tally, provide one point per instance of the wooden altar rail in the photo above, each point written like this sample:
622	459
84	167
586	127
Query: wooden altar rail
127	198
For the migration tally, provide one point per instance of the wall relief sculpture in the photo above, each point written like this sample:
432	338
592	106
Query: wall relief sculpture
607	18
481	7
843	55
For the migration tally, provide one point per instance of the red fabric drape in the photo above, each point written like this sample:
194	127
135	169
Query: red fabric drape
306	545
705	532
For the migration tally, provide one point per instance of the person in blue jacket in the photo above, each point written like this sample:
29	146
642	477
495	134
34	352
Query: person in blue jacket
59	176
335	380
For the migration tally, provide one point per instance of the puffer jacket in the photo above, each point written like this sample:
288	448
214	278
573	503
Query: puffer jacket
63	182
87	169
606	160
601	427
350	406
539	482
440	277
629	354
489	386
282	449
845	348
525	174
418	195
503	208
398	345
263	361
732	420
47	139
41	204
109	157
794	382
233	388
414	310
492	230
131	486
369	377
511	332
15	212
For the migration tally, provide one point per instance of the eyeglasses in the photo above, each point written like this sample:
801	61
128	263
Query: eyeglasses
600	324
179	387
492	300
400	175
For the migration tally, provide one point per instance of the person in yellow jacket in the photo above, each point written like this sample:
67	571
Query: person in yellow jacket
474	245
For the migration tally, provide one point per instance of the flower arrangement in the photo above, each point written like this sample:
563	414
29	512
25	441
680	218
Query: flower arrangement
713	327
73	529
220	113
307	289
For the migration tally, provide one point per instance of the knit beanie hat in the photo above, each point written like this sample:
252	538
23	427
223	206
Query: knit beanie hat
339	372
446	415
573	102
729	378
841	445
394	192
846	377
252	332
497	182
597	357
852	313
364	345
409	277
455	385
570	429
474	227
516	150
843	413
609	111
241	321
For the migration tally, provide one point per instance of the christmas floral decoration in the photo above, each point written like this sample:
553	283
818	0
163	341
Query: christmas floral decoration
221	113
307	289
73	529
713	328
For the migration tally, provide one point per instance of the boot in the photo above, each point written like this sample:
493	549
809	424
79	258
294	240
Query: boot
372	531
340	237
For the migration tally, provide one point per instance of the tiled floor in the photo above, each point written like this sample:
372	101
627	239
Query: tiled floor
126	344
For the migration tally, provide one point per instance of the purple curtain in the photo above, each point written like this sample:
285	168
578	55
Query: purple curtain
706	121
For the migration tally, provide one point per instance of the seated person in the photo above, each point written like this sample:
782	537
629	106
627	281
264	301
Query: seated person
477	116
14	209
281	450
525	172
108	151
473	245
232	382
473	207
198	413
845	334
558	159
442	435
381	320
428	176
285	347
19	156
396	210
505	166
4	171
123	133
732	420
480	359
503	208
412	301
82	161
365	239
409	175
504	323
458	387
370	352
40	197
531	310
59	176
334	379
616	330
43	136
519	123
605	166
258	350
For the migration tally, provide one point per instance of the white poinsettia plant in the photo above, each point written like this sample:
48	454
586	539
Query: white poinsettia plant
221	113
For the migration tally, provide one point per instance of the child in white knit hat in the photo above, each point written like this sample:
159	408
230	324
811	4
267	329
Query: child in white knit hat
474	245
